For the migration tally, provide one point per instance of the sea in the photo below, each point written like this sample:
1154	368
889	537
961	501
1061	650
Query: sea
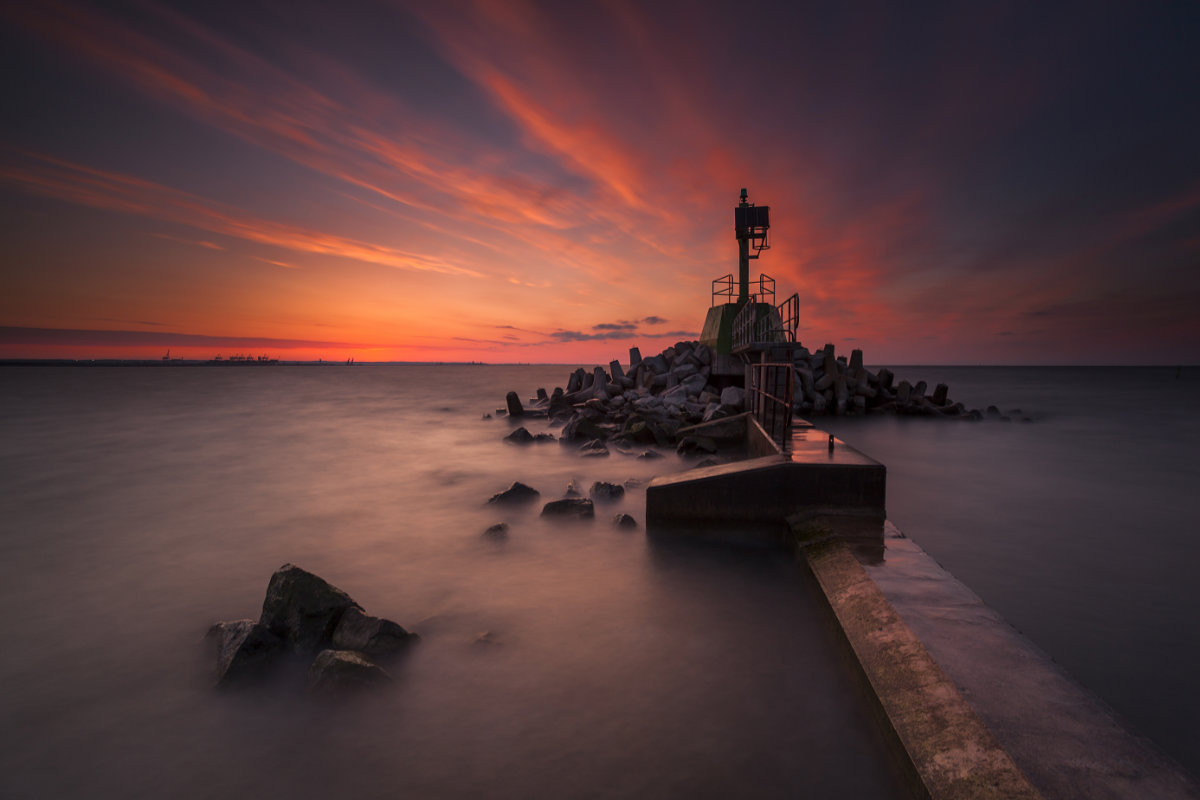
142	504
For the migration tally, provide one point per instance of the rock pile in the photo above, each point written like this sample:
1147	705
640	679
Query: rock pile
663	393
309	621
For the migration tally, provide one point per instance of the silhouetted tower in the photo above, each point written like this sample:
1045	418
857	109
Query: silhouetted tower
750	224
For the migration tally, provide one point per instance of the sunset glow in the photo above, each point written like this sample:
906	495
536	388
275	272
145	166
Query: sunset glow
553	182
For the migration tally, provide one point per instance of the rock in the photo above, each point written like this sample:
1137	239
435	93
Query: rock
497	532
487	415
694	384
602	492
575	382
856	362
886	378
635	357
519	436
696	445
374	636
574	507
992	411
515	409
544	437
573	489
593	449
614	369
516	494
246	651
920	389
904	393
733	396
582	427
542	397
337	671
303	609
648	454
624	522
940	394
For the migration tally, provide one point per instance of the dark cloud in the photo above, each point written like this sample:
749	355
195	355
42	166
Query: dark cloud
615	326
577	336
652	320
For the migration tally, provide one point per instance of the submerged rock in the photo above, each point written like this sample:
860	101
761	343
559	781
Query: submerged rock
513	403
371	635
498	532
247	651
303	609
577	507
515	495
603	492
336	671
624	522
519	436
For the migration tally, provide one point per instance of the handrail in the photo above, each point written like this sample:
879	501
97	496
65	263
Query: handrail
725	290
743	323
771	406
766	289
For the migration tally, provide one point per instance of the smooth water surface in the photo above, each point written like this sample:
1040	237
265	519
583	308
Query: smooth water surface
142	504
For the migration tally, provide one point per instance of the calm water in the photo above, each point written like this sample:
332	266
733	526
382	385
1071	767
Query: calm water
1079	527
140	505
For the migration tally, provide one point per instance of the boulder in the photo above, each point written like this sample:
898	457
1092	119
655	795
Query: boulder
940	394
581	426
374	636
516	494
574	507
635	357
694	384
624	522
696	445
519	436
497	532
515	409
602	492
337	671
246	651
733	396
856	362
303	609
593	449
614	369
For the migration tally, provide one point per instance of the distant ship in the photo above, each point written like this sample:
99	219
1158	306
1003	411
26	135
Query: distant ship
240	360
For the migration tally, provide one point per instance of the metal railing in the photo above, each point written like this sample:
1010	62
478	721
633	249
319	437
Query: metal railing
766	289
775	325
723	287
744	323
769	398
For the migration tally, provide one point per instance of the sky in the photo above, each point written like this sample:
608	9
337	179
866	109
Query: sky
958	183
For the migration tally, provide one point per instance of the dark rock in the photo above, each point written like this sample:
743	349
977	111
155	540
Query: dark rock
614	369
624	522
582	427
515	409
579	508
635	357
856	362
497	532
573	489
303	609
246	651
603	492
992	411
544	437
337	671
696	445
542	397
940	394
593	449
487	416
374	636
732	396
648	454
519	436
515	494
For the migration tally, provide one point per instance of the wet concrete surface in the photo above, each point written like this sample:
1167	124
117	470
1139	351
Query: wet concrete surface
1065	739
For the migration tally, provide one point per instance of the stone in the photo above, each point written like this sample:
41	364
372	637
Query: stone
940	394
624	522
886	378
593	449
515	409
603	492
374	636
919	390
542	397
516	494
635	357
573	489
583	427
574	507
992	411
856	362
497	532
733	396
575	382
519	436
696	445
904	393
646	455
338	671
246	652
694	384
303	609
614	369
544	437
